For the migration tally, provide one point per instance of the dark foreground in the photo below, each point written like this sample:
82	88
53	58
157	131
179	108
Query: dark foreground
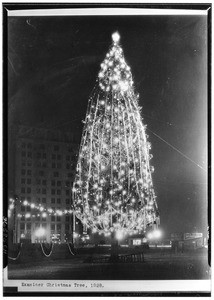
157	265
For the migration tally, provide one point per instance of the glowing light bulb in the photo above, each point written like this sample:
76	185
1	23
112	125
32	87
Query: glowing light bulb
116	140
95	186
115	37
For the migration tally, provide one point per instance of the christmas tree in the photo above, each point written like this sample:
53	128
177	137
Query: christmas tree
113	189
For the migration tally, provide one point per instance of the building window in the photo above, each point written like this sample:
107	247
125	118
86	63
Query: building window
53	227
67	219
23	171
56	148
29	163
42	146
59	165
58	156
28	172
52	218
22	180
28	190
44	182
53	156
70	175
22	226
23	153
23	163
29	154
38	217
67	201
67	183
28	181
44	165
67	192
28	226
58	192
41	173
29	145
68	157
22	208
53	165
38	181
28	208
58	200
44	155
53	182
58	218
58	226
52	200
22	190
43	200
43	191
52	192
67	227
23	145
56	174
58	183
38	155
29	199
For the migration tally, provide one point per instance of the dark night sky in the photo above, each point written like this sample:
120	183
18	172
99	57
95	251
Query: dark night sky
52	67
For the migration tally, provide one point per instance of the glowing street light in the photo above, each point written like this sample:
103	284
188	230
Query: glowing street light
40	232
119	234
156	234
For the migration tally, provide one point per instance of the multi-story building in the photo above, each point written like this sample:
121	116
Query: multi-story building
45	162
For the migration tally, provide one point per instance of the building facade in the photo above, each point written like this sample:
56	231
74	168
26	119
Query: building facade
45	162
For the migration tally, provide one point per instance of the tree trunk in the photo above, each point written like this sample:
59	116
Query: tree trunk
114	248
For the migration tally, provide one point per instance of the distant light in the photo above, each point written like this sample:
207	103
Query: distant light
40	232
75	235
157	234
119	234
115	37
11	206
150	235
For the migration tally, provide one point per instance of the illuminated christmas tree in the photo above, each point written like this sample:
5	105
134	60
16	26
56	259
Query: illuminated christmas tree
113	189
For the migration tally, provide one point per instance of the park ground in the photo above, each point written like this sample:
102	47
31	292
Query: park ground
157	265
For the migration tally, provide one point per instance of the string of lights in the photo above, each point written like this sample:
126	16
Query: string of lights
113	189
37	210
